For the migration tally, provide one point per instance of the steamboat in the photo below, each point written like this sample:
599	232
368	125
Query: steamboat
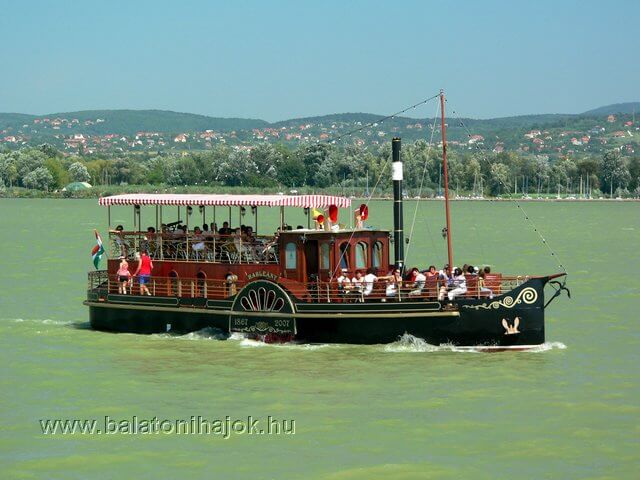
286	285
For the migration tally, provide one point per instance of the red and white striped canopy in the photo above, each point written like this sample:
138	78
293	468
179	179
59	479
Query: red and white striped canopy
302	201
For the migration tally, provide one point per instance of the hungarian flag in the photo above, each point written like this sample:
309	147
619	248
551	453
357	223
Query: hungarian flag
97	251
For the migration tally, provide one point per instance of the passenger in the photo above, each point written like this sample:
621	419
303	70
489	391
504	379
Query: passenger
481	282
344	283
419	281
431	272
459	285
145	265
231	280
357	282
471	270
369	279
198	245
446	271
250	235
124	276
120	241
394	283
412	275
359	221
225	230
445	279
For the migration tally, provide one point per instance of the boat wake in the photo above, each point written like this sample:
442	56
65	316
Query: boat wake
409	343
208	333
43	321
245	341
406	343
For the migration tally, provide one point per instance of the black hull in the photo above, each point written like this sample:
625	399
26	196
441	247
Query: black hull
510	320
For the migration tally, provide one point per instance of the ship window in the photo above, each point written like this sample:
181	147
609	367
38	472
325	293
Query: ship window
290	259
361	254
345	254
377	255
324	256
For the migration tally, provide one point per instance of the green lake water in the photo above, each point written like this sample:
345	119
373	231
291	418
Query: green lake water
406	410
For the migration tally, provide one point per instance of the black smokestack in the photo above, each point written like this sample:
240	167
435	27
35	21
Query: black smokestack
398	224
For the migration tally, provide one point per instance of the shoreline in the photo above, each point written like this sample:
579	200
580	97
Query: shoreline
25	194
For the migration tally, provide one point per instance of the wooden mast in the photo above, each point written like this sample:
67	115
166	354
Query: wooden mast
443	127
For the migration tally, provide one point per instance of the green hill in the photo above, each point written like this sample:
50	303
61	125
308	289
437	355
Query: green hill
629	107
128	122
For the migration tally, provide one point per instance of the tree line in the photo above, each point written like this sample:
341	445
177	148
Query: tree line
351	169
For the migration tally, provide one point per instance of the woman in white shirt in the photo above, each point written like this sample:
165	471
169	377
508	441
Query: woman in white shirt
459	285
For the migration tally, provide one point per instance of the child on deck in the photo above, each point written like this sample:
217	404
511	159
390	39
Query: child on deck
124	276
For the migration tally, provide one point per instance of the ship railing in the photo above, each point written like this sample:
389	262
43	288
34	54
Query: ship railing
312	292
97	279
432	290
262	249
171	286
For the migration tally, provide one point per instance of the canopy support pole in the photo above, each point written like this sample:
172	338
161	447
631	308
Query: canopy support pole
161	231
282	218
186	235
109	216
255	221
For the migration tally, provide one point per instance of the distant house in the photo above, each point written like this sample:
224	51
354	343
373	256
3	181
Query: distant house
619	134
475	139
611	118
180	138
532	134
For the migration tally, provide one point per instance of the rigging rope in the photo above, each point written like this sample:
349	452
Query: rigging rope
371	124
424	172
368	200
525	214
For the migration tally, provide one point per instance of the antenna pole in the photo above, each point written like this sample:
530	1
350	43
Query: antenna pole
446	179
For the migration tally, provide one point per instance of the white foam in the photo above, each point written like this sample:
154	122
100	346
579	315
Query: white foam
237	336
208	333
248	342
409	343
42	321
546	346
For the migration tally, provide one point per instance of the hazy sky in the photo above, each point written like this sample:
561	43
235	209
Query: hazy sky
283	59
